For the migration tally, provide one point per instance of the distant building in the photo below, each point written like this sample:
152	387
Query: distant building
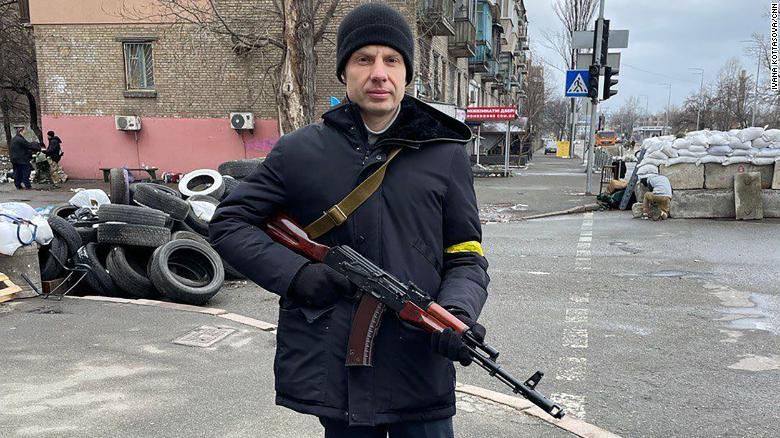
99	60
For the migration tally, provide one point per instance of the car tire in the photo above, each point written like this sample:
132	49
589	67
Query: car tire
132	214
65	231
63	210
116	233
239	169
152	196
202	182
50	267
230	185
88	234
119	187
127	268
195	254
94	256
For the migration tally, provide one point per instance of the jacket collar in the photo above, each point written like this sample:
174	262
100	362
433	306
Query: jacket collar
417	124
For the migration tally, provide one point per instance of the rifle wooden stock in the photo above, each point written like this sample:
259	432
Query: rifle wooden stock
284	230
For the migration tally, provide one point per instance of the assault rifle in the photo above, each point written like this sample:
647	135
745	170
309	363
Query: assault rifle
407	300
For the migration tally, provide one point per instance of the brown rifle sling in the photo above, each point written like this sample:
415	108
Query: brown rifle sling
365	324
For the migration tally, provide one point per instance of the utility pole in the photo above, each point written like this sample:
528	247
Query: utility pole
595	100
668	104
699	71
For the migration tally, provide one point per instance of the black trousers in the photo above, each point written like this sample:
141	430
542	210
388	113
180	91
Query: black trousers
417	429
22	175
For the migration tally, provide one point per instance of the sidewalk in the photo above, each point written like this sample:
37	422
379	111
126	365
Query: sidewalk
102	369
547	184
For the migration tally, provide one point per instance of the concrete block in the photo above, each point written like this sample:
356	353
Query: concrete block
703	203
776	176
718	176
747	196
684	176
24	261
771	201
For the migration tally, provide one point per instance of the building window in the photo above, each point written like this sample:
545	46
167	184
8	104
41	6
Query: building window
139	66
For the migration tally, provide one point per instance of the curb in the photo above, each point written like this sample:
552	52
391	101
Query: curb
571	424
568	423
578	209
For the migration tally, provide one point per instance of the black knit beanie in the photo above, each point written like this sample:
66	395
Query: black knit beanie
374	23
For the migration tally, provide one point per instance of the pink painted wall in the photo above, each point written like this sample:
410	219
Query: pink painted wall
170	144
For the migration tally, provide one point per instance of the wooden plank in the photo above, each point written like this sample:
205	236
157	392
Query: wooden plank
3	277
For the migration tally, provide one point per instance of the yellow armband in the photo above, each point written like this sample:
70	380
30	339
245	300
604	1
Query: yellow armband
470	246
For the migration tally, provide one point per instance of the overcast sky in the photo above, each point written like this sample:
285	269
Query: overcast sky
666	37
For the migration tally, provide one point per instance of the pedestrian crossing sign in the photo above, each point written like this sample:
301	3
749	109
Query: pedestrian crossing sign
577	83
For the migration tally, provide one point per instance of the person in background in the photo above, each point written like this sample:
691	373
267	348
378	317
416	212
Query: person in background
658	201
54	154
21	152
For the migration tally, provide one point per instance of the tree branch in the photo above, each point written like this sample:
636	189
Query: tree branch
325	20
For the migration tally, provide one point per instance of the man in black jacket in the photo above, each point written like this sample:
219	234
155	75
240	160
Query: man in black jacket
21	152
421	225
54	153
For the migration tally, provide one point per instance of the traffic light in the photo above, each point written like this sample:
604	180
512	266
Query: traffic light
604	42
609	82
593	82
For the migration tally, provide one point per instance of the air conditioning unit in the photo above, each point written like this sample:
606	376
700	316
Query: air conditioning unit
242	120
127	123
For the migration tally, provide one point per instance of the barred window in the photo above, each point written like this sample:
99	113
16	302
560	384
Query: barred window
139	66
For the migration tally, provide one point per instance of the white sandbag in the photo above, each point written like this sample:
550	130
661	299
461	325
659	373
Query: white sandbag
203	210
719	150
750	134
21	225
17	209
771	135
652	162
761	143
768	152
733	132
657	155
735	143
678	160
697	148
667	138
698	140
764	161
681	143
689	153
742	153
718	139
669	151
647	169
737	160
710	159
92	198
775	145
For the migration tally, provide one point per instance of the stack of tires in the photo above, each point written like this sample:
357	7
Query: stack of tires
151	241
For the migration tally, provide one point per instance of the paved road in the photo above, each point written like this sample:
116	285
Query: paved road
643	328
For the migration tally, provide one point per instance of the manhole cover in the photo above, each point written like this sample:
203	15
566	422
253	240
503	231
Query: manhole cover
204	336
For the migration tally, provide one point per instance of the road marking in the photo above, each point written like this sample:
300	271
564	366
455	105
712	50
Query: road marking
574	366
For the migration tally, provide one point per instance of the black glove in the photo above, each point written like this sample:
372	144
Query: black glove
449	343
318	285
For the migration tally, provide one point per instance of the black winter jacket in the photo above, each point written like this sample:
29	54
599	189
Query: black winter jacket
425	205
54	150
21	150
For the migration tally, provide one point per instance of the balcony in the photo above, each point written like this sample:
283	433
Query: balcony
464	43
437	16
491	71
478	62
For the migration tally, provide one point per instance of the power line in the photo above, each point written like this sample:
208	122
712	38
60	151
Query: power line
656	73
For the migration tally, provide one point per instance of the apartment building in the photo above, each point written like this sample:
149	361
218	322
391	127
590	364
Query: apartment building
106	64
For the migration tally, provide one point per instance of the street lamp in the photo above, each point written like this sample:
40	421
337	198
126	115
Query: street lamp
699	71
758	71
668	105
647	102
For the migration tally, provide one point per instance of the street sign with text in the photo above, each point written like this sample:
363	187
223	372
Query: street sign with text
485	113
584	60
618	39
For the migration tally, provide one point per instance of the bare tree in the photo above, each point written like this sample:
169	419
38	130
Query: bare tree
302	25
556	111
626	116
18	65
575	15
